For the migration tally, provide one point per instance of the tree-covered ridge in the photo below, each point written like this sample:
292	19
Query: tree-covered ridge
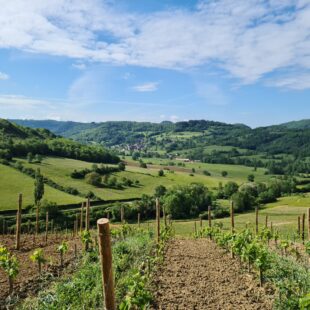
16	140
290	138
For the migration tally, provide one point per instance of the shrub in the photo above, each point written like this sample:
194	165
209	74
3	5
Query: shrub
93	178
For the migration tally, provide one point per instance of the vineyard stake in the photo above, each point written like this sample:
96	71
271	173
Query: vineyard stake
195	225
139	220
266	221
200	222
256	220
87	215
158	219
232	224
37	220
303	228
122	215
18	221
209	215
81	217
46	227
308	223
298	227
164	216
106	262
232	220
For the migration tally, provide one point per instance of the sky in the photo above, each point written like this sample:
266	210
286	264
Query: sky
236	61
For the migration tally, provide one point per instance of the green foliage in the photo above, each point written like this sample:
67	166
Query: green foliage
63	247
187	201
161	173
38	187
304	302
224	173
93	178
9	264
230	188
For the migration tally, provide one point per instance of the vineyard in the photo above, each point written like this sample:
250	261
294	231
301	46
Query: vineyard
144	266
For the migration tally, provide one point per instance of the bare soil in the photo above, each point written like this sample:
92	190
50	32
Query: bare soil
197	274
28	281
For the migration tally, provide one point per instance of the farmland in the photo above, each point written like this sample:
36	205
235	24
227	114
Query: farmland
14	182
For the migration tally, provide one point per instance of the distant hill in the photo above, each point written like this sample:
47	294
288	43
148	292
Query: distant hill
302	124
288	138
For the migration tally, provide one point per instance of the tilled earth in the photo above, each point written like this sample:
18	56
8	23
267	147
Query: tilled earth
197	274
28	281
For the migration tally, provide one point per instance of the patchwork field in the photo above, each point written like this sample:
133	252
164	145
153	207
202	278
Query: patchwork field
59	170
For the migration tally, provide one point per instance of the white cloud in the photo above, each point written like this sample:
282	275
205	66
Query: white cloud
4	76
247	39
21	101
146	87
174	118
79	66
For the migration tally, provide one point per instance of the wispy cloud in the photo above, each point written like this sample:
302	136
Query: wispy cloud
247	39
4	76
21	101
146	87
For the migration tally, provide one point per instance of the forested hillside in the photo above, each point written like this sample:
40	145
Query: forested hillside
16	140
290	138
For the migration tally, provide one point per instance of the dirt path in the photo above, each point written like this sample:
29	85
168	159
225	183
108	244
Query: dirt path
198	275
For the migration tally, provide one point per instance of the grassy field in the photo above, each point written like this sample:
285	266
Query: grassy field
14	182
236	173
59	170
283	214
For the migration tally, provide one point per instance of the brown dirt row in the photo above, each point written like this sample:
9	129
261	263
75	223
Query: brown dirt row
28	281
197	274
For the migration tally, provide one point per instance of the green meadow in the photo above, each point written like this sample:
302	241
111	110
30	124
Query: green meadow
14	182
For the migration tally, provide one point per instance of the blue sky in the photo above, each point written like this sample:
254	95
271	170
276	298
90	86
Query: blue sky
233	61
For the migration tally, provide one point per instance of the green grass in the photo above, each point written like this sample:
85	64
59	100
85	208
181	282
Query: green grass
283	214
14	182
59	170
236	173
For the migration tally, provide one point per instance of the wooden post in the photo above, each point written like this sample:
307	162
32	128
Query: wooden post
303	228
200	219
46	227
106	263
74	228
164	216
308	223
266	222
195	227
158	219
37	220
18	221
298	227
209	216
87	215
139	219
232	219
81	217
256	220
122	215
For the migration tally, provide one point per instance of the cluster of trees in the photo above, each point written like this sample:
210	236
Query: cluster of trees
249	195
109	181
100	170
